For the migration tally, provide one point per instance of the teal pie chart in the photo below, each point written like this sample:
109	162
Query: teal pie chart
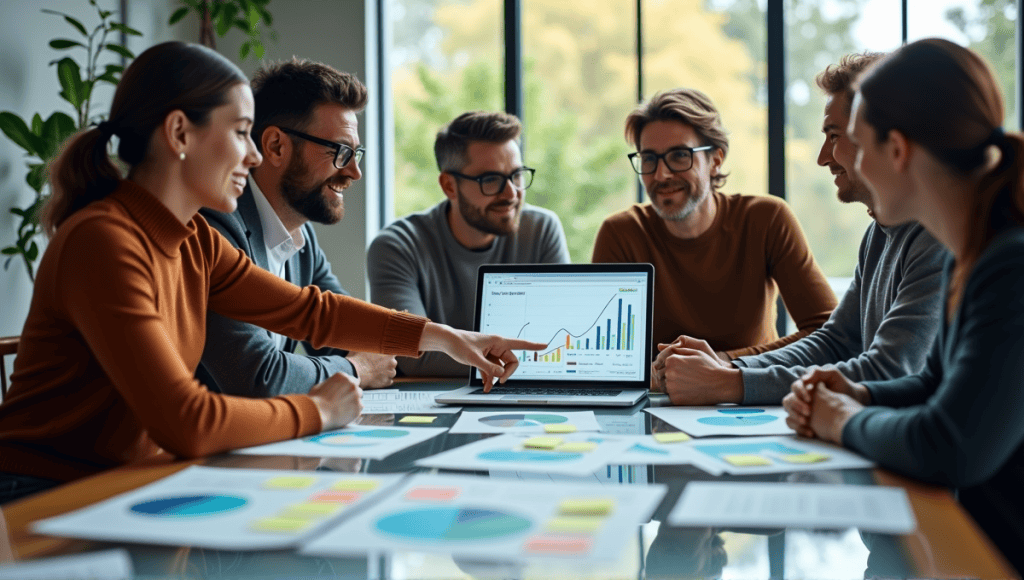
514	455
738	418
522	420
185	506
452	524
367	438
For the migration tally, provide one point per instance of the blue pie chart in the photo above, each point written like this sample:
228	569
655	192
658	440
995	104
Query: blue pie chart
185	506
522	420
448	524
527	455
738	418
357	438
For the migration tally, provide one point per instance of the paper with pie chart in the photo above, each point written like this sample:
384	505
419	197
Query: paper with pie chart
496	519
354	441
725	420
761	455
224	509
568	454
524	421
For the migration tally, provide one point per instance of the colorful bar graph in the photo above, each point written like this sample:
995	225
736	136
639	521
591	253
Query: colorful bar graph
608	335
567	345
629	331
618	343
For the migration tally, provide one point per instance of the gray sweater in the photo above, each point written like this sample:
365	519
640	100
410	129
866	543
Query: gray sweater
416	264
960	421
882	328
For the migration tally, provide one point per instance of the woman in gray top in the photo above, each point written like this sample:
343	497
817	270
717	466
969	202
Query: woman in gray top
927	122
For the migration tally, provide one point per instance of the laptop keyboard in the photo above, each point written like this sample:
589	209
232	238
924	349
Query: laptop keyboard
548	391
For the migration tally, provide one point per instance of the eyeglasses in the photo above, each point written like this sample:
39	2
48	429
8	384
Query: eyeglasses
492	182
677	160
342	153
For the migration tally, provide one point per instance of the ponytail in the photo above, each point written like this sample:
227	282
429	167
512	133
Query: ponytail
81	174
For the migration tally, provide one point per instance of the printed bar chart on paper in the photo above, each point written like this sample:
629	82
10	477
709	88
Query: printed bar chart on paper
760	455
595	331
489	518
225	509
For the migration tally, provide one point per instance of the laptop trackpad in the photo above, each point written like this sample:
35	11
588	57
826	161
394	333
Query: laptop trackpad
533	397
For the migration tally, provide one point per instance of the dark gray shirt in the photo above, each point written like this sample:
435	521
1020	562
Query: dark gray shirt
882	327
416	264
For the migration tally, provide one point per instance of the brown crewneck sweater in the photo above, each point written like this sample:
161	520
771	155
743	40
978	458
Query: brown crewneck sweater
116	328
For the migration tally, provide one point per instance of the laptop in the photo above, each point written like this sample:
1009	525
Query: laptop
595	320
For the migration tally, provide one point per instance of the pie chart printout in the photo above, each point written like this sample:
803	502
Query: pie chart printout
527	455
522	420
452	524
738	418
186	506
357	438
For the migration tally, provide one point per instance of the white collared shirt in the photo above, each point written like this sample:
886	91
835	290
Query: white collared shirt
280	244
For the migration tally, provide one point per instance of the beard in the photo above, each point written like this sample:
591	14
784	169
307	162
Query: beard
477	217
692	202
317	203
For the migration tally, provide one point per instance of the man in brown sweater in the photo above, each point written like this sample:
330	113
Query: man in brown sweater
720	260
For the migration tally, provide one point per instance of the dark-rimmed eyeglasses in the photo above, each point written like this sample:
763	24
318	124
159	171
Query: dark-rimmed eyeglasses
342	153
677	159
493	183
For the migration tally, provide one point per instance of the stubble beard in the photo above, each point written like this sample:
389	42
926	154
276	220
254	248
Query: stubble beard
477	218
311	202
689	206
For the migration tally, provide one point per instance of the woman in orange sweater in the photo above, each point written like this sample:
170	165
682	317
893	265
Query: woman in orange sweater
116	327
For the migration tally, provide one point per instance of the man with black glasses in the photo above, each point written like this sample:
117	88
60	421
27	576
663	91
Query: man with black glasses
720	260
426	263
305	126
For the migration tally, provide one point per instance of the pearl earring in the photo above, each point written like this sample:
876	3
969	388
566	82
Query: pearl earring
181	155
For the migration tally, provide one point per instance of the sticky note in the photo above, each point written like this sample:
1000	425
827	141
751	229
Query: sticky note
336	496
559	428
289	482
809	457
545	543
574	524
542	442
416	419
433	493
576	447
746	460
312	509
676	437
355	485
597	506
285	525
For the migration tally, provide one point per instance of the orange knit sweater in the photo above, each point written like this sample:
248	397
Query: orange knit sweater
116	328
721	285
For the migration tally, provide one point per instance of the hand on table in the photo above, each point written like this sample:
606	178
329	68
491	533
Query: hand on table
375	371
338	399
493	355
691	373
821	403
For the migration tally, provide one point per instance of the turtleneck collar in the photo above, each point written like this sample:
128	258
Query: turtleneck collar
153	217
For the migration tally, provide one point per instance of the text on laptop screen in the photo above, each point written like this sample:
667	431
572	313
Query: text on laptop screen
594	323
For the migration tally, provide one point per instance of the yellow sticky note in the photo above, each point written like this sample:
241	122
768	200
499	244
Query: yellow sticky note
574	524
746	460
542	442
559	428
286	525
310	510
576	447
289	482
355	485
597	506
416	419
676	437
809	457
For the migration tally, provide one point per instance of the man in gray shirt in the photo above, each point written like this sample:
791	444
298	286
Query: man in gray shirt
884	324
426	263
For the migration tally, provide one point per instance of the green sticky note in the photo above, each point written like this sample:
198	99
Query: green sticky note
559	428
289	482
809	457
355	485
746	460
312	509
416	419
675	437
574	524
285	525
576	447
584	506
542	442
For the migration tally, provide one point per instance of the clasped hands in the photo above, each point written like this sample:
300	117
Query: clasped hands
690	372
821	403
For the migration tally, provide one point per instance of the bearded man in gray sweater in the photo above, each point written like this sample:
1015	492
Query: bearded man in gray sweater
884	324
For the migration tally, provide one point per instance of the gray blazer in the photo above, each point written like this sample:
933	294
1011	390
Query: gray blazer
240	358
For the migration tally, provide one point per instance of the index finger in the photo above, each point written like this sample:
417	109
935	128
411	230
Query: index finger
518	343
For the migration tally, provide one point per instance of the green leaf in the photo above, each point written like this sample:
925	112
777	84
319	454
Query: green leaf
76	24
64	44
36	177
10	251
70	76
243	26
120	50
104	14
244	51
227	18
33	252
125	29
258	50
18	211
253	16
115	68
18	132
37	124
178	15
55	131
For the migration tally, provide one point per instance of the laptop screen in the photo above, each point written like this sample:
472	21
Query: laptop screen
594	318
